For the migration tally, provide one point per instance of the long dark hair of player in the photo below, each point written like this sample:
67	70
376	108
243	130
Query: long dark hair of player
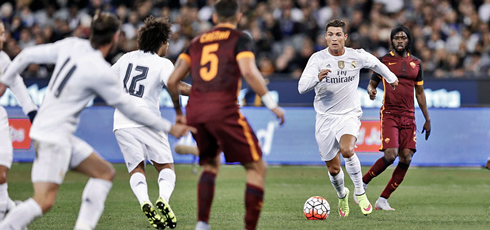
407	32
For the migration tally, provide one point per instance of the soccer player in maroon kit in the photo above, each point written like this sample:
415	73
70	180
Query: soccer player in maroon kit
217	60
398	127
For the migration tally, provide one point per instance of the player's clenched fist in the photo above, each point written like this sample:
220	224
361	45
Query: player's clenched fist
323	74
372	92
179	130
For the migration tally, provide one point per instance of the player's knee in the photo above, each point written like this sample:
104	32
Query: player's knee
347	151
390	156
3	176
107	173
334	170
406	159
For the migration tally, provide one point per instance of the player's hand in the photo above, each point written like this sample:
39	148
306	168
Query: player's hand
372	92
180	119
179	130
394	84
279	114
426	129
323	74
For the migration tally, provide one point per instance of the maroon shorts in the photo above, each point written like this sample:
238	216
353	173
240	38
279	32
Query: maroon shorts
398	132
231	135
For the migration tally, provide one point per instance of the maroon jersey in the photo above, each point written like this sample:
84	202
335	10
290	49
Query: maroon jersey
409	72
216	77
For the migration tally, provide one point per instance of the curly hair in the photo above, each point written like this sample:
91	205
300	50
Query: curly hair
154	34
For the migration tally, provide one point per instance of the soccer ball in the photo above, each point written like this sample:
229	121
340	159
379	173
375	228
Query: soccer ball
316	208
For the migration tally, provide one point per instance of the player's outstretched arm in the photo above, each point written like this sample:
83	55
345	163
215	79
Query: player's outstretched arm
182	67
371	62
420	94
254	78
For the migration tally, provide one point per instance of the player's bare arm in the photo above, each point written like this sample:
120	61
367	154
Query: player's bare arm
371	89
256	81
185	88
420	94
182	67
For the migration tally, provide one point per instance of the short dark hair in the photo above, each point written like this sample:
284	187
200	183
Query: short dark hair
104	26
154	34
226	10
337	23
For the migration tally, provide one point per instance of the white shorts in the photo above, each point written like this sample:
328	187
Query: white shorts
138	144
6	149
55	159
330	128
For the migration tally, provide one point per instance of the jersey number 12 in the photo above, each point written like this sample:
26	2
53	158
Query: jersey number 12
142	75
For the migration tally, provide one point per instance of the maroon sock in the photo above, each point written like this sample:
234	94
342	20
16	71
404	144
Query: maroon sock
205	194
378	167
396	179
253	204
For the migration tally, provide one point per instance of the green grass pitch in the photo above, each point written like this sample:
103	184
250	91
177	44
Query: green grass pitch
429	198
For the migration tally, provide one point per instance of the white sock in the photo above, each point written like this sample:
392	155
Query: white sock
338	183
93	199
166	183
353	167
139	187
22	215
4	200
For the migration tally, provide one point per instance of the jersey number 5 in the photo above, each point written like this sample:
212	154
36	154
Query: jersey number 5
143	73
207	74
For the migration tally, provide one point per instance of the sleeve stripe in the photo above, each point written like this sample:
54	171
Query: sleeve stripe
244	54
185	57
419	82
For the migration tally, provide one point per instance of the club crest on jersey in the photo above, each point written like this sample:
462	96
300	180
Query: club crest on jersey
353	64
341	64
412	64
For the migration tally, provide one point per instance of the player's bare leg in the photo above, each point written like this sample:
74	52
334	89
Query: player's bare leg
101	174
205	192
353	168
254	193
336	176
396	179
166	184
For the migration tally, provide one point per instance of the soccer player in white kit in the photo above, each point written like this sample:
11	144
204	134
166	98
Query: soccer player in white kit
144	73
334	74
80	74
6	149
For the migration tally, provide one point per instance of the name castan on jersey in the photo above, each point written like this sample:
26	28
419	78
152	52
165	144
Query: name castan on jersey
337	93
143	76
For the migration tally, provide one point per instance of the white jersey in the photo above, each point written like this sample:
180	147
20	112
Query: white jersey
80	74
17	85
337	93
143	75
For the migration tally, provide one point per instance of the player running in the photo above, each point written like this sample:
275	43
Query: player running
217	59
398	127
80	74
334	74
144	73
